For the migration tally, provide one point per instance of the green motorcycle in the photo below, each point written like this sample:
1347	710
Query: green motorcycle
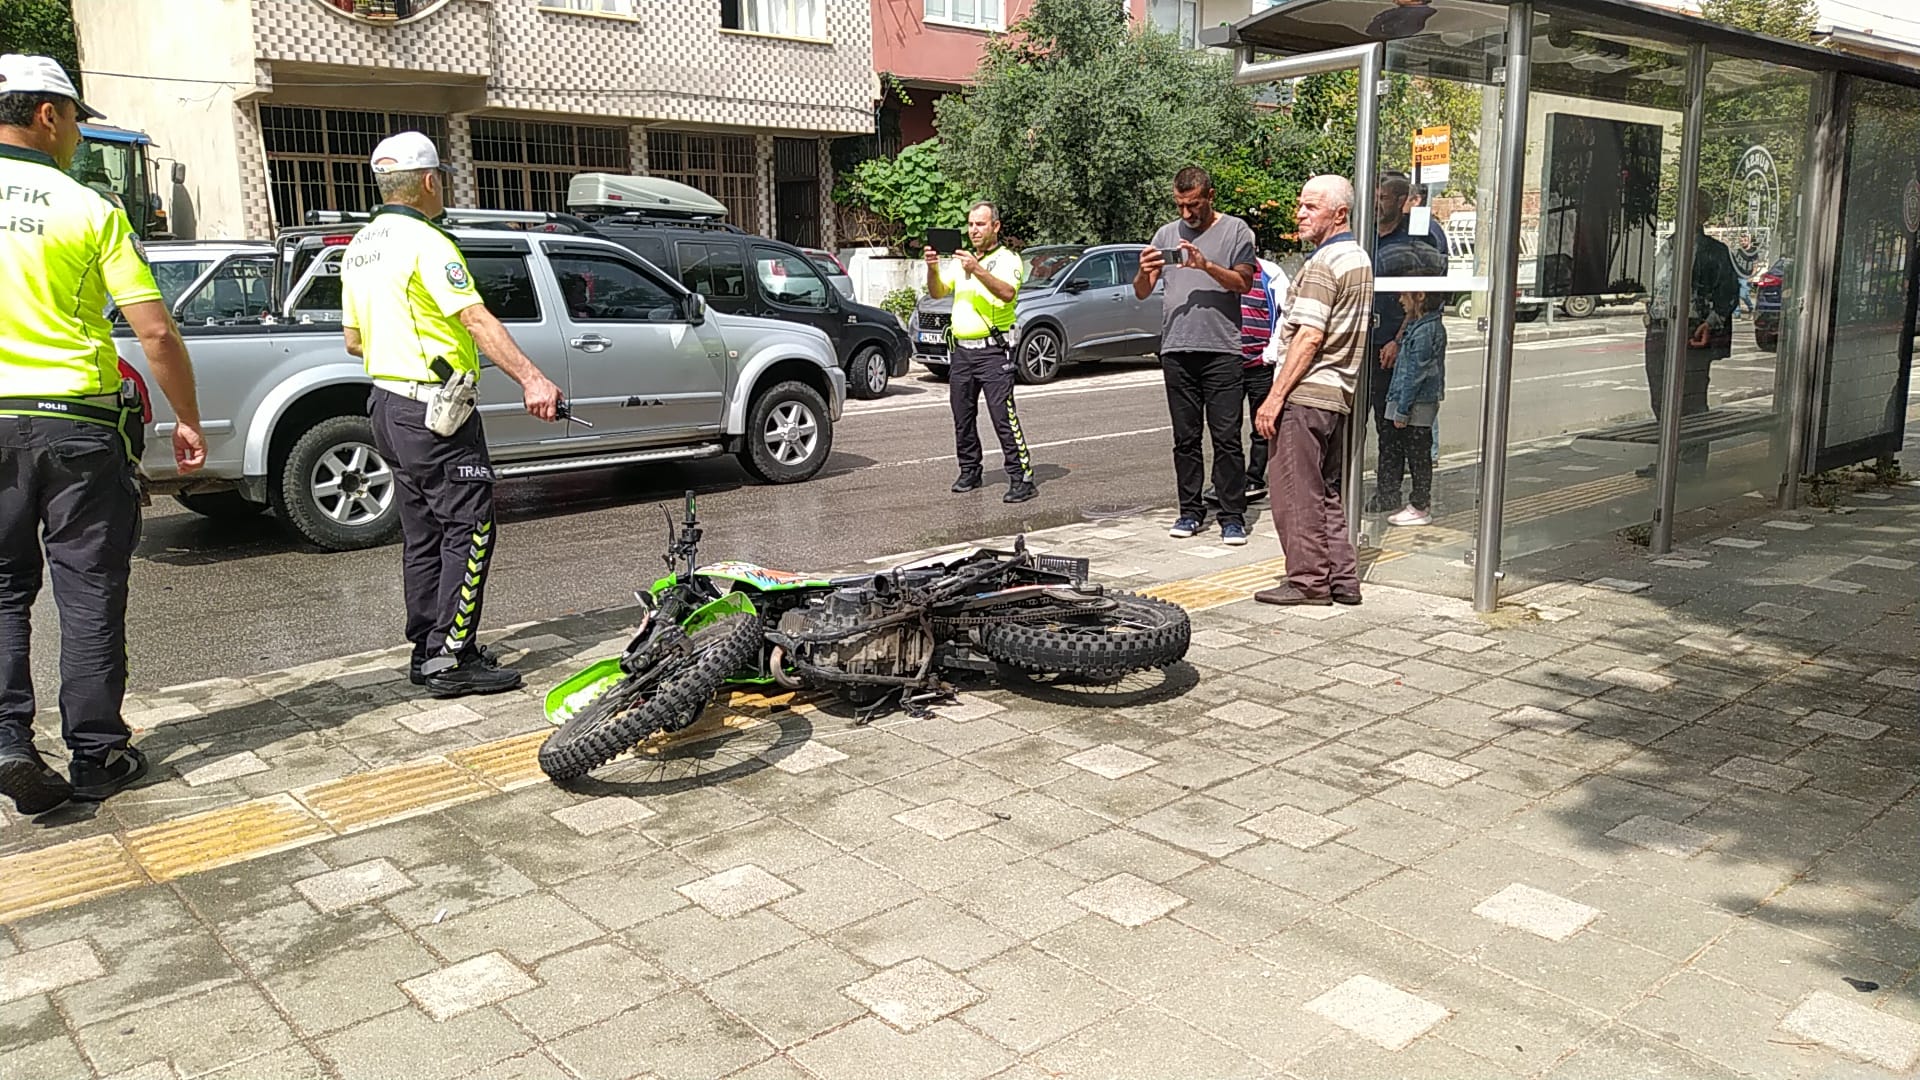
876	638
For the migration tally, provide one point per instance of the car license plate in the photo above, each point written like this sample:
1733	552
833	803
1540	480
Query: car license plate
930	337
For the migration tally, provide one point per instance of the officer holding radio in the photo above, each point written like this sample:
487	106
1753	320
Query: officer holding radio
412	313
70	437
985	285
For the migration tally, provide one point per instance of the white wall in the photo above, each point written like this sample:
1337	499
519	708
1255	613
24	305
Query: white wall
198	56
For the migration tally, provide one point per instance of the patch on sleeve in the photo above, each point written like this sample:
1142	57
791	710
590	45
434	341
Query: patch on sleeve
457	276
140	249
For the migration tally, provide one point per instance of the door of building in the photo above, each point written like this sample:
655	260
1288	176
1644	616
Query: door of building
796	191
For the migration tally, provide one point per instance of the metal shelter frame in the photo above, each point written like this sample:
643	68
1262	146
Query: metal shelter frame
1274	45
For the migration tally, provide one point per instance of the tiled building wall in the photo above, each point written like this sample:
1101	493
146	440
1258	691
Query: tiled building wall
671	63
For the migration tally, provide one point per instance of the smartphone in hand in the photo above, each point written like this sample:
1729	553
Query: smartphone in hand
1174	256
945	241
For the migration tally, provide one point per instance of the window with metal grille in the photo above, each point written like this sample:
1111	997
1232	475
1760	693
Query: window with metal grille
317	158
522	165
723	166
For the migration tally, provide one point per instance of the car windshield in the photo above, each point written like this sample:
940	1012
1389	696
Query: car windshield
1044	266
174	277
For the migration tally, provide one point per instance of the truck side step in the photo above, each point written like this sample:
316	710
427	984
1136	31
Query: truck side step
675	453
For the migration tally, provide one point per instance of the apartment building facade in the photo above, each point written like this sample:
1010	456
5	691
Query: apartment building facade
275	105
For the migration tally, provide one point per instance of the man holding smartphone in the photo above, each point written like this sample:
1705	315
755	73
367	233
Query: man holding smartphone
1208	261
984	285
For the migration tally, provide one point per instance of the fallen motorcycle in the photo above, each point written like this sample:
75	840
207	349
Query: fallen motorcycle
878	639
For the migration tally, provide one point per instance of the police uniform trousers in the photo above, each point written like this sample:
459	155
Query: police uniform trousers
69	503
988	370
444	490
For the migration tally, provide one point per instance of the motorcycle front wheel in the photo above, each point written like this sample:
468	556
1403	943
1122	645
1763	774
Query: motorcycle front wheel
1137	633
666	697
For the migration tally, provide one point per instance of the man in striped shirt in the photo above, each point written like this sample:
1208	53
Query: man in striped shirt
1327	336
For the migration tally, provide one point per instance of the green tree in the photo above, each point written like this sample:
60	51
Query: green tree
1790	19
910	191
1076	123
41	28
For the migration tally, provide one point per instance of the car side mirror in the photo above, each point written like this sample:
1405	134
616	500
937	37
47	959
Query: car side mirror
1079	285
696	308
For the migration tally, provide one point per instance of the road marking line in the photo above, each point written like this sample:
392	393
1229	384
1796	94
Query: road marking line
1001	454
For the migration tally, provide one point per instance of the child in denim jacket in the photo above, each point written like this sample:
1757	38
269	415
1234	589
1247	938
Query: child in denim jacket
1413	403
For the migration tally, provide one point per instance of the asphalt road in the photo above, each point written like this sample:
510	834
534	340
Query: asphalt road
223	599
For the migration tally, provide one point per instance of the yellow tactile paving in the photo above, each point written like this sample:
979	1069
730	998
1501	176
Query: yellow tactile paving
64	874
223	837
1195	595
366	799
507	764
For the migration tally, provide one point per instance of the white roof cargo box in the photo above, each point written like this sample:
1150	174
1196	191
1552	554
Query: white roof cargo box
609	193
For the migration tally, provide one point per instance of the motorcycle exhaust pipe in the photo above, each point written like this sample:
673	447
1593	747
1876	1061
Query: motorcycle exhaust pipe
777	666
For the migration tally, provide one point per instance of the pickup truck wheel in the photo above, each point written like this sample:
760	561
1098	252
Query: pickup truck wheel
867	375
336	489
221	505
788	434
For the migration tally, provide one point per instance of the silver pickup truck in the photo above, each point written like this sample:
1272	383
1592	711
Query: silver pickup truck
659	375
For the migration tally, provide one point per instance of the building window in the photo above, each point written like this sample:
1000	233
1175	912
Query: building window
787	18
972	14
723	166
1181	18
384	10
592	7
317	158
521	165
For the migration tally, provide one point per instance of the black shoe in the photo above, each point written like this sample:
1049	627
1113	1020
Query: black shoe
94	782
1288	596
967	482
34	788
1644	471
1349	597
1256	492
487	656
472	673
1020	491
1210	496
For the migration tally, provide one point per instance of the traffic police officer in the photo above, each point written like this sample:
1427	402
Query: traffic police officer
984	286
70	436
412	313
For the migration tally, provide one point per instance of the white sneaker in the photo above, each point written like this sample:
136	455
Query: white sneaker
1410	516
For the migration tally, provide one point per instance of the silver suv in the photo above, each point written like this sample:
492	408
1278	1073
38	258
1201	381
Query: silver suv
659	375
1076	306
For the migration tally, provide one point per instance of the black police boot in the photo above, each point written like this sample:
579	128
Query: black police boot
968	481
34	788
472	672
414	676
94	781
1020	491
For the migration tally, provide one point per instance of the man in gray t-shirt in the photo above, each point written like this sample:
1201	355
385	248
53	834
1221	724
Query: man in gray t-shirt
1214	265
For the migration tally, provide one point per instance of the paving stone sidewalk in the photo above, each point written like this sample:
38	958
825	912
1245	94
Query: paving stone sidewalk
1655	818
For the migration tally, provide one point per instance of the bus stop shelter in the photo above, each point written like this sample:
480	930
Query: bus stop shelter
1591	389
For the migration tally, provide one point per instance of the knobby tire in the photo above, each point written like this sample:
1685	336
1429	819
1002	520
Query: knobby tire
1139	633
626	714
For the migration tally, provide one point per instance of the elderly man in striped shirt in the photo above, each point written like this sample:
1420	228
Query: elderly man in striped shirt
1326	334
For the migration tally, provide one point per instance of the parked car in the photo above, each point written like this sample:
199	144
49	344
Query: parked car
1770	292
682	230
1076	306
829	264
211	279
659	375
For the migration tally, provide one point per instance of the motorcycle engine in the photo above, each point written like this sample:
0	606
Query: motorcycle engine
899	649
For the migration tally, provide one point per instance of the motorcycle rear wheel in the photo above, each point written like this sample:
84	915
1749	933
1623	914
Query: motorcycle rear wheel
663	699
1138	633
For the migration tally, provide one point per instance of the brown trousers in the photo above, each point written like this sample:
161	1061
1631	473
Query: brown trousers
1303	478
